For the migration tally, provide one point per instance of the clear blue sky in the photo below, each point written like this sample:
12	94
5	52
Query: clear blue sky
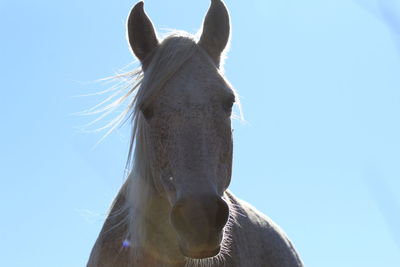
320	152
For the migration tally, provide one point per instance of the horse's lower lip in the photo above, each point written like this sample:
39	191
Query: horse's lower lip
200	254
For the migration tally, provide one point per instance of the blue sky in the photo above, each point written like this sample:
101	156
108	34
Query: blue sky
319	152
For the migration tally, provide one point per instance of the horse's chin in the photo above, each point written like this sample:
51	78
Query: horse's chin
201	254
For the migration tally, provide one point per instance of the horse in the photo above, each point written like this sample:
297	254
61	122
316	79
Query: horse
175	209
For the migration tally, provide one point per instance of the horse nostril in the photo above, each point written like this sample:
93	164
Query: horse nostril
222	214
195	217
178	218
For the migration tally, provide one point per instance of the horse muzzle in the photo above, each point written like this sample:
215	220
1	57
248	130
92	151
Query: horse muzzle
199	222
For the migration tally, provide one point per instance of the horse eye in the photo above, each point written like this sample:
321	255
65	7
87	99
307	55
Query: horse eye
228	104
147	113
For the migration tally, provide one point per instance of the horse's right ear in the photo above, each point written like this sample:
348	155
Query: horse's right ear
140	32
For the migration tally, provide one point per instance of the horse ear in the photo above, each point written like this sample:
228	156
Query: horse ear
216	28
140	32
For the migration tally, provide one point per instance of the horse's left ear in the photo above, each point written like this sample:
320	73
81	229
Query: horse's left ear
216	28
